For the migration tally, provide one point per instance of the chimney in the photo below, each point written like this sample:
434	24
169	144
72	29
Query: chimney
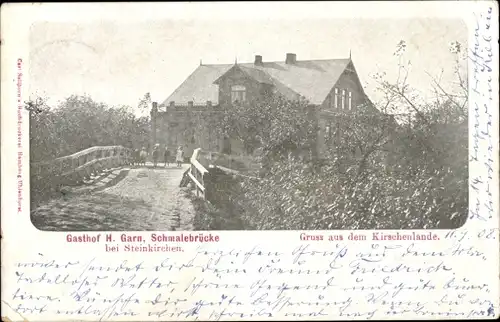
172	104
258	60
291	58
154	105
209	103
190	104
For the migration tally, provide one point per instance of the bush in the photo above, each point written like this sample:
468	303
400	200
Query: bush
219	211
380	172
416	179
208	217
294	196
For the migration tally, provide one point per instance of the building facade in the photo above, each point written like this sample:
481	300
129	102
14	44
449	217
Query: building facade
187	116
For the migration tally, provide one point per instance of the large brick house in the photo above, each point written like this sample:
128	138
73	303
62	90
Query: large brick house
328	85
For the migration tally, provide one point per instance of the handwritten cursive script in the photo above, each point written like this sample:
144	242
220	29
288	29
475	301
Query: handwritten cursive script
482	98
304	281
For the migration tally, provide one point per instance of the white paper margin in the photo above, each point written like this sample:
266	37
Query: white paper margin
21	242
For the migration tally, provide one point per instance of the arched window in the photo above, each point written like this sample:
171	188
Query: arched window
350	100
343	99
238	93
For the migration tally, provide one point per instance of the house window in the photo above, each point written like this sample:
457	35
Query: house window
350	100
238	93
343	99
336	103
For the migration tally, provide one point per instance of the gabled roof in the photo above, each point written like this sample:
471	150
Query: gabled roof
312	79
257	74
199	87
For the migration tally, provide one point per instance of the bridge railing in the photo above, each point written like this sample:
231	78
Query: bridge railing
198	169
83	164
201	161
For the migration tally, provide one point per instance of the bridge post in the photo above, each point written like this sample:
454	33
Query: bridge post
196	174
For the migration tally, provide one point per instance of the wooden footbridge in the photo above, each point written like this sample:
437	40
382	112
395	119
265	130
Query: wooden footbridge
101	188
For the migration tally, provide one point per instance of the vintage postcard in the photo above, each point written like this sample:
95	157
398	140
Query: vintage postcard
250	161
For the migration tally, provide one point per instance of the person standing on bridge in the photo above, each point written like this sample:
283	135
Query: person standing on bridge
136	158
143	156
156	153
179	157
166	156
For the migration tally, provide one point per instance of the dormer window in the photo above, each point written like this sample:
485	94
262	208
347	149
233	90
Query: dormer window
238	93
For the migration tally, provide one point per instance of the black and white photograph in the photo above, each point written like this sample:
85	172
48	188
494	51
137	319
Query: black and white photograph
223	161
180	125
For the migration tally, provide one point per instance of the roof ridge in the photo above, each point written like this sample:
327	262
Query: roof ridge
214	64
277	61
325	59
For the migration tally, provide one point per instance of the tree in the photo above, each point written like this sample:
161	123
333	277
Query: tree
144	106
383	171
44	140
145	101
355	137
78	123
275	125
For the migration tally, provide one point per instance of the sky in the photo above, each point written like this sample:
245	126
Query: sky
118	62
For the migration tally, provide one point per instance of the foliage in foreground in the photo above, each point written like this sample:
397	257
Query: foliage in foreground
377	174
415	188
